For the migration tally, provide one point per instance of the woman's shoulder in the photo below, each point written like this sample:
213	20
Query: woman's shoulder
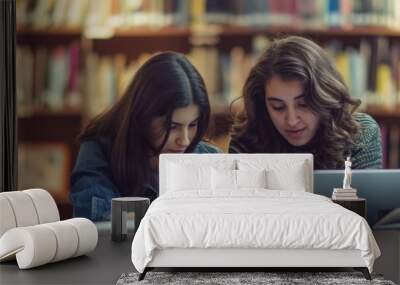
365	119
206	147
367	151
368	127
94	148
96	143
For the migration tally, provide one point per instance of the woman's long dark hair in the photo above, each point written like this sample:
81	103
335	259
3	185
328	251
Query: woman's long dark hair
297	58
165	82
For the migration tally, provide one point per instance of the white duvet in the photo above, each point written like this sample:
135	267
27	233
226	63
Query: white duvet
253	218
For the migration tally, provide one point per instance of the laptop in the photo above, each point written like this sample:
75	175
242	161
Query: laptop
380	188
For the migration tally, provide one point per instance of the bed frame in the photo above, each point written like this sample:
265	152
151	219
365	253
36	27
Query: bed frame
241	259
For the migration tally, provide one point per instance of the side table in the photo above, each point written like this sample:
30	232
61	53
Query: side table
358	206
120	208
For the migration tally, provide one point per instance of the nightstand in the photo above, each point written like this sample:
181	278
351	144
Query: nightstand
358	206
121	209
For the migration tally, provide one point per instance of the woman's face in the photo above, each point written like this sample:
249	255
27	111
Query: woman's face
289	112
184	123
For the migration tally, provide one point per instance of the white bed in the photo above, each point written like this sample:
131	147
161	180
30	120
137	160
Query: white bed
247	210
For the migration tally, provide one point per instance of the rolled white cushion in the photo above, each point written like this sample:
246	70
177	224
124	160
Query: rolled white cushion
66	238
45	205
23	208
40	244
87	235
7	218
33	246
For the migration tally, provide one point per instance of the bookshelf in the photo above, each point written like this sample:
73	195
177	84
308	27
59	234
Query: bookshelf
222	38
48	37
387	116
48	144
314	32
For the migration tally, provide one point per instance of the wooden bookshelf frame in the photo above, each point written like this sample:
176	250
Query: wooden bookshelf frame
231	30
358	31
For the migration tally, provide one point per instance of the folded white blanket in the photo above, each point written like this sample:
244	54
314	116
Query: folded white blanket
256	218
40	244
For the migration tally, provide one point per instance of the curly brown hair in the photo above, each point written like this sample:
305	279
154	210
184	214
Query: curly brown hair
297	58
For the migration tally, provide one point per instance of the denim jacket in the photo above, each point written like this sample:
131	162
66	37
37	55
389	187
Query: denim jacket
92	186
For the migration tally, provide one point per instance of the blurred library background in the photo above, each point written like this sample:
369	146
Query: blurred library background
76	57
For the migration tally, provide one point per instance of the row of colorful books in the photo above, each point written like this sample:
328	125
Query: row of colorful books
307	13
128	13
49	79
371	70
61	78
41	14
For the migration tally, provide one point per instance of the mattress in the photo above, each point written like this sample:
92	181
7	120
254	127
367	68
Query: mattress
250	219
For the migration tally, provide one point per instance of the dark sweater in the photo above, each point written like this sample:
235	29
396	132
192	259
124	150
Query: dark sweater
92	186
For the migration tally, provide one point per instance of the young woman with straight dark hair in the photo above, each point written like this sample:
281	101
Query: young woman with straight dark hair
164	110
296	101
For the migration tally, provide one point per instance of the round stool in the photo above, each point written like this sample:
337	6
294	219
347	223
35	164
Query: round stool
120	208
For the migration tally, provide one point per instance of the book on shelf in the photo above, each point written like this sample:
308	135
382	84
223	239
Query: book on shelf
216	11
25	82
41	14
394	147
76	13
41	58
59	13
57	79
390	135
385	148
73	96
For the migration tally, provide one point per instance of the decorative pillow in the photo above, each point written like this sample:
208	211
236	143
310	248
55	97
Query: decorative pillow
223	179
181	178
226	179
278	180
287	174
192	174
251	178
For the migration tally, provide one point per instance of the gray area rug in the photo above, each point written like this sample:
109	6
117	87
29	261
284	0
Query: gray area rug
226	278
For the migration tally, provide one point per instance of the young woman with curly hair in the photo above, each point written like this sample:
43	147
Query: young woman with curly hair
296	101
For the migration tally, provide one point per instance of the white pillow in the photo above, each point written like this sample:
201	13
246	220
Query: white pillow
277	180
251	178
181	177
226	179
223	179
286	174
